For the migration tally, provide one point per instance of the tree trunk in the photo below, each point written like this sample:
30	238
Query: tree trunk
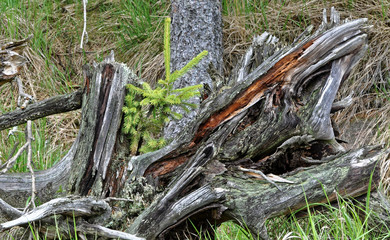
196	26
272	118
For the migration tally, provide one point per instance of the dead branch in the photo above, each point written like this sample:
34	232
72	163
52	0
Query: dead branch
54	105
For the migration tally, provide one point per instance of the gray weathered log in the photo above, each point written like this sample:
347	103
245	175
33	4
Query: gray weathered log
54	105
196	26
15	188
349	174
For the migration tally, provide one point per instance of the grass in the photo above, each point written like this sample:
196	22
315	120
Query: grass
347	219
134	30
342	218
45	155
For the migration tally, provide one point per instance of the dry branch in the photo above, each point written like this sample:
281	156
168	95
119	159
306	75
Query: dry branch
86	207
54	105
96	230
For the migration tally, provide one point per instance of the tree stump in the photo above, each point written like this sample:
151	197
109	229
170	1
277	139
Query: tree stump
272	117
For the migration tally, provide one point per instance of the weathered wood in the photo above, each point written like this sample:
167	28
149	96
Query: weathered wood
101	121
281	86
252	203
15	188
86	207
283	104
70	174
51	106
8	212
74	209
96	230
11	60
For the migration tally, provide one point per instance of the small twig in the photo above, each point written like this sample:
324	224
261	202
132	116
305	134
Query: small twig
12	132
92	229
342	104
22	95
310	160
29	137
12	152
29	160
85	25
12	161
109	199
261	174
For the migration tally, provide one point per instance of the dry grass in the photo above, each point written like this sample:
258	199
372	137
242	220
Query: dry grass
55	59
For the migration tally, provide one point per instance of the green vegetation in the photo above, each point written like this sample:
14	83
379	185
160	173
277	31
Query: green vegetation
45	155
134	30
348	219
147	110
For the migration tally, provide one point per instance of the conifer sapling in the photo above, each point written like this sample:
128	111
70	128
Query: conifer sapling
147	110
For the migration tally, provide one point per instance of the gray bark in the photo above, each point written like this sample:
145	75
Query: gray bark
196	26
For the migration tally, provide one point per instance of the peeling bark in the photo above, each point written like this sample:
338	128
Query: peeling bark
11	60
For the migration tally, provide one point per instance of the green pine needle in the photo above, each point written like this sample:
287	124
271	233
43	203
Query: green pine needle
188	66
167	47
